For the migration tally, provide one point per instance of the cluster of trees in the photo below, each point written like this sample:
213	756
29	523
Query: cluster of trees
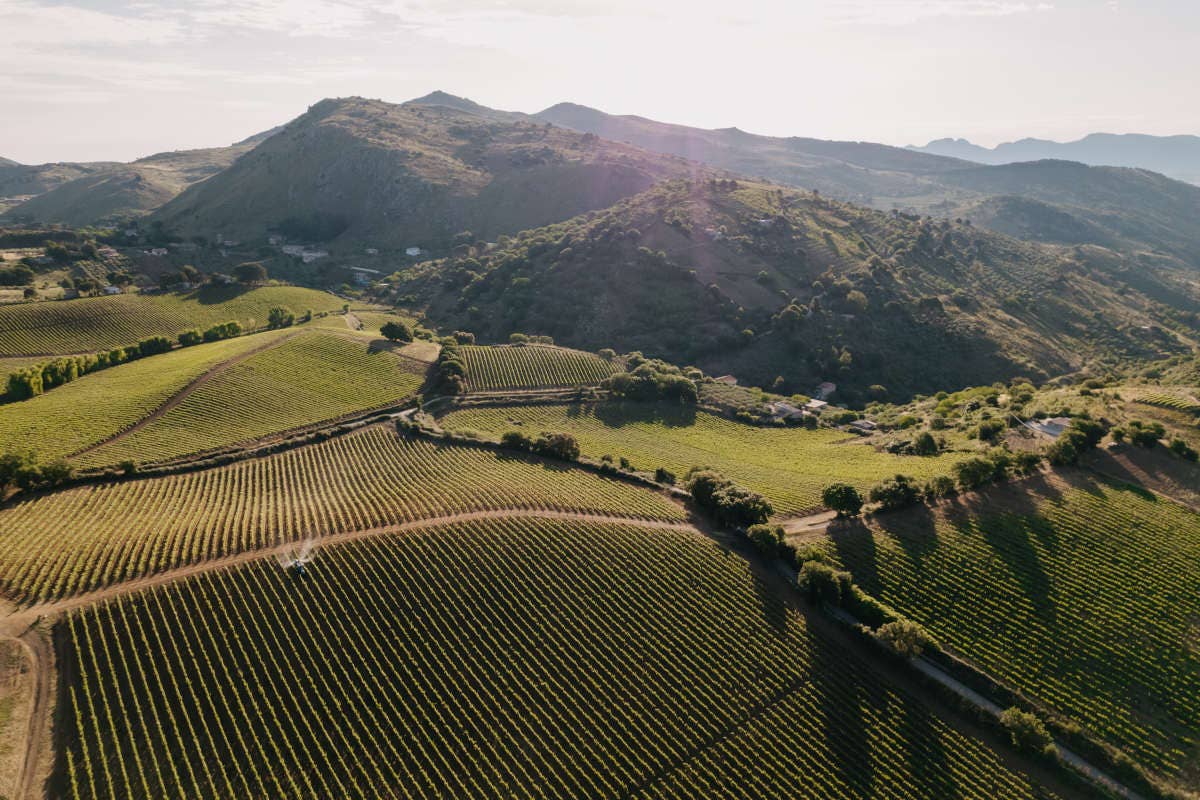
729	504
1080	436
1027	732
563	446
34	380
18	275
21	469
280	317
651	380
450	370
525	338
1142	434
185	274
399	331
994	466
250	272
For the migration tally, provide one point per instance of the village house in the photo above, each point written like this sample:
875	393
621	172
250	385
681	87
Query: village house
728	380
111	289
413	251
815	406
784	412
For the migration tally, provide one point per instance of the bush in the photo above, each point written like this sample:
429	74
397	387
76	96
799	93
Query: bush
939	487
462	337
1027	732
823	584
766	539
663	475
516	441
1146	434
650	381
842	498
904	638
189	338
280	317
557	445
989	430
1182	449
895	493
399	331
223	330
925	444
153	346
250	272
729	504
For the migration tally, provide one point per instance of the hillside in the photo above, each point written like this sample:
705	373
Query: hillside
352	171
1175	156
121	191
749	279
1142	211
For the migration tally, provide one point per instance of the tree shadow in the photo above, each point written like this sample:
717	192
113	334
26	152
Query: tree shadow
844	728
927	759
214	294
914	529
854	543
774	609
669	415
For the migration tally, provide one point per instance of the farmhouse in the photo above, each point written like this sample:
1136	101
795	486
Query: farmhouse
783	412
815	406
728	380
112	290
412	251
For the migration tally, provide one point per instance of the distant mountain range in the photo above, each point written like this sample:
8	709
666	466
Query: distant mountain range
1175	156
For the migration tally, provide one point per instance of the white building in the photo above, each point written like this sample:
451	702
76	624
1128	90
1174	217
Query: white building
413	251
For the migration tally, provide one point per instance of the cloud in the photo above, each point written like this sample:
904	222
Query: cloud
908	12
31	24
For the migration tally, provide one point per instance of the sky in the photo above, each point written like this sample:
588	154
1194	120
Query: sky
103	80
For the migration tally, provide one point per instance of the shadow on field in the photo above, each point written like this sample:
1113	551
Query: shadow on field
615	415
855	545
212	295
840	696
926	755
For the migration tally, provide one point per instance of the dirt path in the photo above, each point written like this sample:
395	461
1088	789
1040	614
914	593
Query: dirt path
352	322
41	671
184	393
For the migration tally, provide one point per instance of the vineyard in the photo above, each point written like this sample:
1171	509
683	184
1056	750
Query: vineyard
312	377
516	658
1083	596
1171	401
101	323
533	367
94	536
101	404
790	466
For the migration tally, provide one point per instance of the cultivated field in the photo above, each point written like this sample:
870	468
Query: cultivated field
533	367
101	323
1081	594
790	466
517	658
93	536
90	409
313	376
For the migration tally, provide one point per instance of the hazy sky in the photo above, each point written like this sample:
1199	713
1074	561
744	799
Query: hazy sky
97	79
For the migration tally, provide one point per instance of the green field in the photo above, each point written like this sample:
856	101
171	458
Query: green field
101	323
1082	594
92	408
313	376
93	536
498	659
790	466
533	367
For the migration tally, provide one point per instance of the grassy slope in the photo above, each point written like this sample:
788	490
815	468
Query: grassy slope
315	376
93	536
790	466
100	323
532	367
1078	592
103	403
545	659
698	273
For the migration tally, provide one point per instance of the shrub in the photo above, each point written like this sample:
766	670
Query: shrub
730	505
822	583
557	445
462	337
895	493
1182	449
153	346
925	444
1145	434
189	338
842	498
939	487
766	539
280	317
904	638
663	475
516	440
398	331
1027	732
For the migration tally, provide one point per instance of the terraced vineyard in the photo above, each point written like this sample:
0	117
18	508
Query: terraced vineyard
551	659
1171	401
533	367
97	406
94	536
314	376
101	323
1082	595
790	466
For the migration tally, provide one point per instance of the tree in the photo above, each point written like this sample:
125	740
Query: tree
557	445
250	272
822	583
30	293
925	444
397	331
767	539
280	317
895	493
904	637
842	498
189	338
153	346
516	440
1027	732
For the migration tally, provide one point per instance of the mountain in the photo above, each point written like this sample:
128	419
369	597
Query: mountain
787	289
19	182
1175	156
351	171
8	162
1130	208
